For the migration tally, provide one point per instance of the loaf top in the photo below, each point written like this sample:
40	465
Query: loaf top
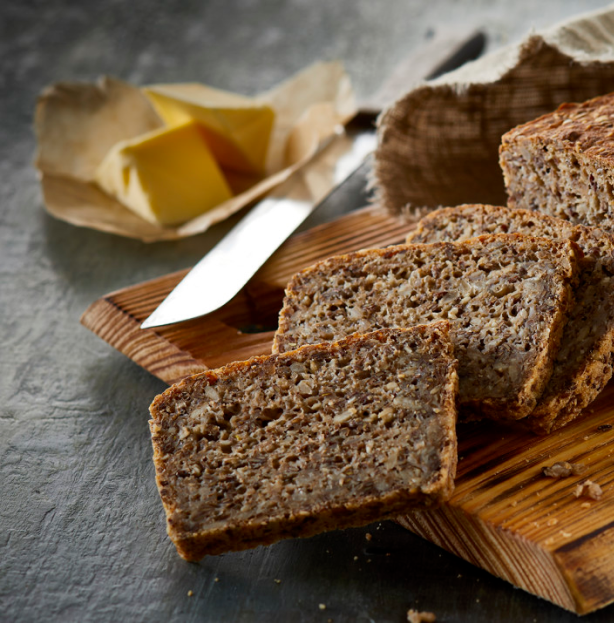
318	438
506	297
586	128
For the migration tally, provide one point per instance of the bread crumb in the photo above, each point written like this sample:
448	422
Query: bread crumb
553	521
322	606
368	536
277	581
565	534
589	489
563	469
355	557
413	616
549	541
585	505
190	593
216	580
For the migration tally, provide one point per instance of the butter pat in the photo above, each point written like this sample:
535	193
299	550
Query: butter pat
167	176
237	129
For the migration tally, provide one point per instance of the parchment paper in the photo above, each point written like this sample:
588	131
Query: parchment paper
76	125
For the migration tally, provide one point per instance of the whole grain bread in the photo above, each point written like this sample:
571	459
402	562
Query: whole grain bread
507	298
584	362
562	163
324	437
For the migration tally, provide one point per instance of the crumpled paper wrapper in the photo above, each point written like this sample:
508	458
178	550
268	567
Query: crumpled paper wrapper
77	124
438	145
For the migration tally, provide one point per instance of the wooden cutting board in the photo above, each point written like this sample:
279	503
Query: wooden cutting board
505	516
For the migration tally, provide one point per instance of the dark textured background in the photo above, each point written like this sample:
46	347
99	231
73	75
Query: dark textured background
82	531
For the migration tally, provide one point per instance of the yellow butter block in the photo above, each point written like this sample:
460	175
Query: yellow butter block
237	128
167	176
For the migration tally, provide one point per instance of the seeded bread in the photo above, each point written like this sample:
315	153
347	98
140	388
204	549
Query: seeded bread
562	163
506	296
324	437
584	361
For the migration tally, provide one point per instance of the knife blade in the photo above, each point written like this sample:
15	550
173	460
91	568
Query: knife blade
221	274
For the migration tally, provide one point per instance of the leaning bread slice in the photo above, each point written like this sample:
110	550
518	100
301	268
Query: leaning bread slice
506	296
324	437
584	362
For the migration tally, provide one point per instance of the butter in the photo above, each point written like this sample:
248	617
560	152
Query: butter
167	176
237	128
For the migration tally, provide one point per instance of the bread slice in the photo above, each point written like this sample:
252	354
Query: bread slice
324	437
562	163
584	362
506	296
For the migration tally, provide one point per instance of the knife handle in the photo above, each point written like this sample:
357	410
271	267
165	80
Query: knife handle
447	49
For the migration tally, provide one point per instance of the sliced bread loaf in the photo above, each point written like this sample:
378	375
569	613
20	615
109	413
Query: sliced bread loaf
506	296
562	163
324	437
584	362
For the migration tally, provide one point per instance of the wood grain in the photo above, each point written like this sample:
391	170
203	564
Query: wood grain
505	516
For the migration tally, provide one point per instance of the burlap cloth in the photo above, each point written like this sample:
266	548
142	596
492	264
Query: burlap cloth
438	145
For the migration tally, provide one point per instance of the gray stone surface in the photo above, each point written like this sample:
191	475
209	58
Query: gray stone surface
83	535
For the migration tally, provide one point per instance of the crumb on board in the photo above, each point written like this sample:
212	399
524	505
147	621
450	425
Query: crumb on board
585	505
414	616
368	536
589	489
563	469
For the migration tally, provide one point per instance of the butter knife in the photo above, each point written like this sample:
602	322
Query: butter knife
221	274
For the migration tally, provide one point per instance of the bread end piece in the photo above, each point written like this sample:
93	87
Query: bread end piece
562	163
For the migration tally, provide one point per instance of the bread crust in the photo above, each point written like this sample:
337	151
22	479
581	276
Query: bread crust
584	362
229	484
562	163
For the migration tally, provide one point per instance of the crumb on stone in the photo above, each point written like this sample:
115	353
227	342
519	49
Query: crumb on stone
414	616
216	580
563	469
322	606
368	536
277	581
190	593
589	489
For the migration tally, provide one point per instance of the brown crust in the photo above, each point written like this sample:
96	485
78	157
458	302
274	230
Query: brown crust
562	163
585	127
517	402
580	372
195	535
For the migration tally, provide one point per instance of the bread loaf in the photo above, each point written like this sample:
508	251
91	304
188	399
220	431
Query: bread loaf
506	296
324	437
562	163
584	362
